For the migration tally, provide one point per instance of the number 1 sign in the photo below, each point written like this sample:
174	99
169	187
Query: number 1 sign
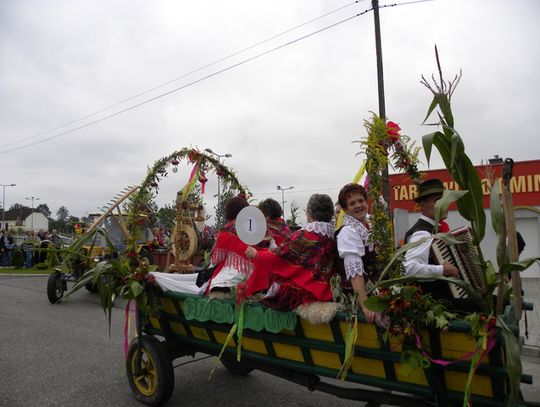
251	225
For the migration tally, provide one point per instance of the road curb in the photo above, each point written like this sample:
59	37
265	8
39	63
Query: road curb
529	350
24	275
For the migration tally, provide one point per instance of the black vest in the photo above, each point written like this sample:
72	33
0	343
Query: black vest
420	225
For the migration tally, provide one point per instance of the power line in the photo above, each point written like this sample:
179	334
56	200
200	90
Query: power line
404	3
184	86
179	77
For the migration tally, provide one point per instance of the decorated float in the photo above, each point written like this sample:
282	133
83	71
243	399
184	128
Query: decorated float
418	354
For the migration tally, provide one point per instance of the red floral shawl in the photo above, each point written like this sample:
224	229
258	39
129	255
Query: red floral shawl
278	230
302	266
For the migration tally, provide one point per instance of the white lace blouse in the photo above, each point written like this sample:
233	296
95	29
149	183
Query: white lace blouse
321	228
351	243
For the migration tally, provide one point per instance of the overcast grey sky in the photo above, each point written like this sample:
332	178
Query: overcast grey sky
288	118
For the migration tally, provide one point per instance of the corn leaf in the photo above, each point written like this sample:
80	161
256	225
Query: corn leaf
458	149
518	265
442	204
431	108
446	110
429	140
397	254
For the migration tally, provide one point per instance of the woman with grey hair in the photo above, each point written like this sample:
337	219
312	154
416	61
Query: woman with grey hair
300	270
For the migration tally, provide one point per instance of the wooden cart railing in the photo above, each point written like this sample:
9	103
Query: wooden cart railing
307	353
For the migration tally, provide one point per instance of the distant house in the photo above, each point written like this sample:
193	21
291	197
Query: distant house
25	219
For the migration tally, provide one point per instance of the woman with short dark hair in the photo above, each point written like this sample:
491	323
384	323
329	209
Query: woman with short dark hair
277	229
356	255
228	254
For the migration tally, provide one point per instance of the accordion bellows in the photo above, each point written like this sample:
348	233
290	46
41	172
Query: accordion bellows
465	257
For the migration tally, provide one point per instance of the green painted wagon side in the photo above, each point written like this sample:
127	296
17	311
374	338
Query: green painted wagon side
305	353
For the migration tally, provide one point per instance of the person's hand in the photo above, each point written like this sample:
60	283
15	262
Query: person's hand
251	252
370	315
449	270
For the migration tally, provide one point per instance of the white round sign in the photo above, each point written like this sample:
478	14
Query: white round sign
251	225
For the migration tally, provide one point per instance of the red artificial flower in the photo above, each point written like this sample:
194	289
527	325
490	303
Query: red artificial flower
175	161
193	155
150	279
396	304
220	172
392	129
383	292
444	227
138	276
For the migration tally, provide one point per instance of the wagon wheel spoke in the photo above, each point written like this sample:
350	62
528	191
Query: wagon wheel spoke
146	378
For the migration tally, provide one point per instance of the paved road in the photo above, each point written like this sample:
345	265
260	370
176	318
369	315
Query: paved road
62	355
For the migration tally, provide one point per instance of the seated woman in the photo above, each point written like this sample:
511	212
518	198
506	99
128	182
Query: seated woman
356	255
302	266
228	254
277	229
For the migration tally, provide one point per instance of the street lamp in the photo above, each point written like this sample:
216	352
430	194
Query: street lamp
279	188
219	157
32	215
4	202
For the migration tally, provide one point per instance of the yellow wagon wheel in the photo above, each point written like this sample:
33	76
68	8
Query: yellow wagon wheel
150	371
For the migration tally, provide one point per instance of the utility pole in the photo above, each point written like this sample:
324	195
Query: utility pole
279	188
4	203
380	86
32	214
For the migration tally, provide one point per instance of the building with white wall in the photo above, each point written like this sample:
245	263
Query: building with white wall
25	219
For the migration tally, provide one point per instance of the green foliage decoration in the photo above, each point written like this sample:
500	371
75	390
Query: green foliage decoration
383	141
470	205
295	210
452	150
126	273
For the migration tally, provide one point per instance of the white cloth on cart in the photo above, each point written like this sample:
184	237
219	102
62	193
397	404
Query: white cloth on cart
183	283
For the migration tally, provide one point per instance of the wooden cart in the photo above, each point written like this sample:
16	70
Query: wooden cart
305	353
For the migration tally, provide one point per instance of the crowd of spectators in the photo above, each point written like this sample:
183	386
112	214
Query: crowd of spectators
28	245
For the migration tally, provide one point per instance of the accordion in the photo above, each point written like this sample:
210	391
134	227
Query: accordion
465	257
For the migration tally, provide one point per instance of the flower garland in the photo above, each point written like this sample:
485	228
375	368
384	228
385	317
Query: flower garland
128	274
139	208
383	139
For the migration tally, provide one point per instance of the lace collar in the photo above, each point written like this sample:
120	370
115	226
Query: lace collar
321	228
355	224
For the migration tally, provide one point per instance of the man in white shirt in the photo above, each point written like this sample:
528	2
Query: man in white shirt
418	260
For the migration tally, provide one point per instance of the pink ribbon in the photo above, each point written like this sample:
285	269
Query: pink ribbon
466	356
126	330
203	183
193	172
